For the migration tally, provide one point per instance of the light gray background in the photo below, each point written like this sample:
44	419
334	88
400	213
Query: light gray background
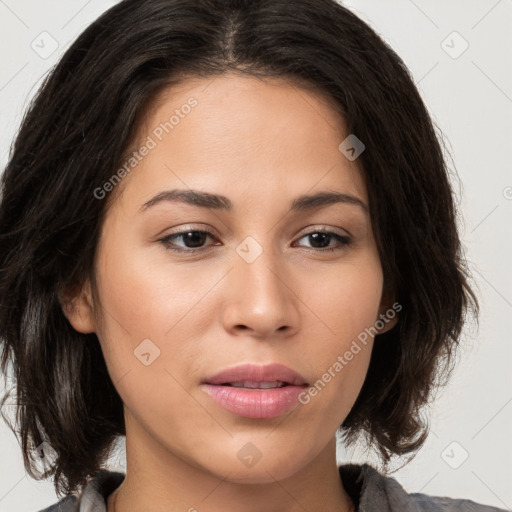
470	97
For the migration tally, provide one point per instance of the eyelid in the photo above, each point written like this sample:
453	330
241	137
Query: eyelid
191	227
306	231
323	228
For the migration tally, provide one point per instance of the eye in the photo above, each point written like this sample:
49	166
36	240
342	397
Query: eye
323	238
194	237
194	240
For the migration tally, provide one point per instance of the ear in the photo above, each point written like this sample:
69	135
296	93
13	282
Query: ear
388	313
77	306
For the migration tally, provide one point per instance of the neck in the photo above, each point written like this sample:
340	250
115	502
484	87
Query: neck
164	481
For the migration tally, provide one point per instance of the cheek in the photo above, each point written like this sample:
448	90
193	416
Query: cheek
153	313
147	311
146	296
346	304
345	297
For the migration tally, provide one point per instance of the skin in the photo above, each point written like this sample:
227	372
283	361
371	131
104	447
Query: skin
261	143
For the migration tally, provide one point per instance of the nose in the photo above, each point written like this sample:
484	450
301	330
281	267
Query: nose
261	298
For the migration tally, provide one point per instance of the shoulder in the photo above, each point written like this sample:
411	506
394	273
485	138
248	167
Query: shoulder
426	503
377	492
67	504
92	497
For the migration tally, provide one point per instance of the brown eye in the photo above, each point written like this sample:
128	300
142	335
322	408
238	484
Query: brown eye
321	239
192	238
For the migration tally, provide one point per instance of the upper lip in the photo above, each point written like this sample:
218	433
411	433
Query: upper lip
257	373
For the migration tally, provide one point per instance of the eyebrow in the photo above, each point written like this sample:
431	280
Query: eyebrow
220	202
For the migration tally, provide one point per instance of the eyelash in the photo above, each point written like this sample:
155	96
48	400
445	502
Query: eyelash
345	241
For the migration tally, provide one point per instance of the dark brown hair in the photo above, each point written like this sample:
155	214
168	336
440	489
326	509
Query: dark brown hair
80	124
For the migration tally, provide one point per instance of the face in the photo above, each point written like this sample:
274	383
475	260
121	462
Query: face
250	279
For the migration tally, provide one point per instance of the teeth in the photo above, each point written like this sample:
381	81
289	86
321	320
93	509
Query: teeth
257	385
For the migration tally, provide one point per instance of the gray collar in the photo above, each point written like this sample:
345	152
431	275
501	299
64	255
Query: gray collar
380	493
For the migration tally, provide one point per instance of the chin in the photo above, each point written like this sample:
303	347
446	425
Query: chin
256	475
250	466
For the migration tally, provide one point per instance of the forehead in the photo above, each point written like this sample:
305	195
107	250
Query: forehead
242	134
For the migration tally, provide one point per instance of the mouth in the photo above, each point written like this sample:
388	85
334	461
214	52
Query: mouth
255	391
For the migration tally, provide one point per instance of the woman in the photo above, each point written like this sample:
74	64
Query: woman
153	280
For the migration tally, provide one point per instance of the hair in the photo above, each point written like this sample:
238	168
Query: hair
74	135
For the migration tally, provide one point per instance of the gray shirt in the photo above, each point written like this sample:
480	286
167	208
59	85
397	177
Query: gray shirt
370	490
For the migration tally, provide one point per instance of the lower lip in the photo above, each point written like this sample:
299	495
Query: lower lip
254	403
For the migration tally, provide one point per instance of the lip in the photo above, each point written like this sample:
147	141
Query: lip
257	373
255	402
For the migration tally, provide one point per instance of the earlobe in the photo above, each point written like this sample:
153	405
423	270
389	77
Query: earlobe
77	306
388	315
385	323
